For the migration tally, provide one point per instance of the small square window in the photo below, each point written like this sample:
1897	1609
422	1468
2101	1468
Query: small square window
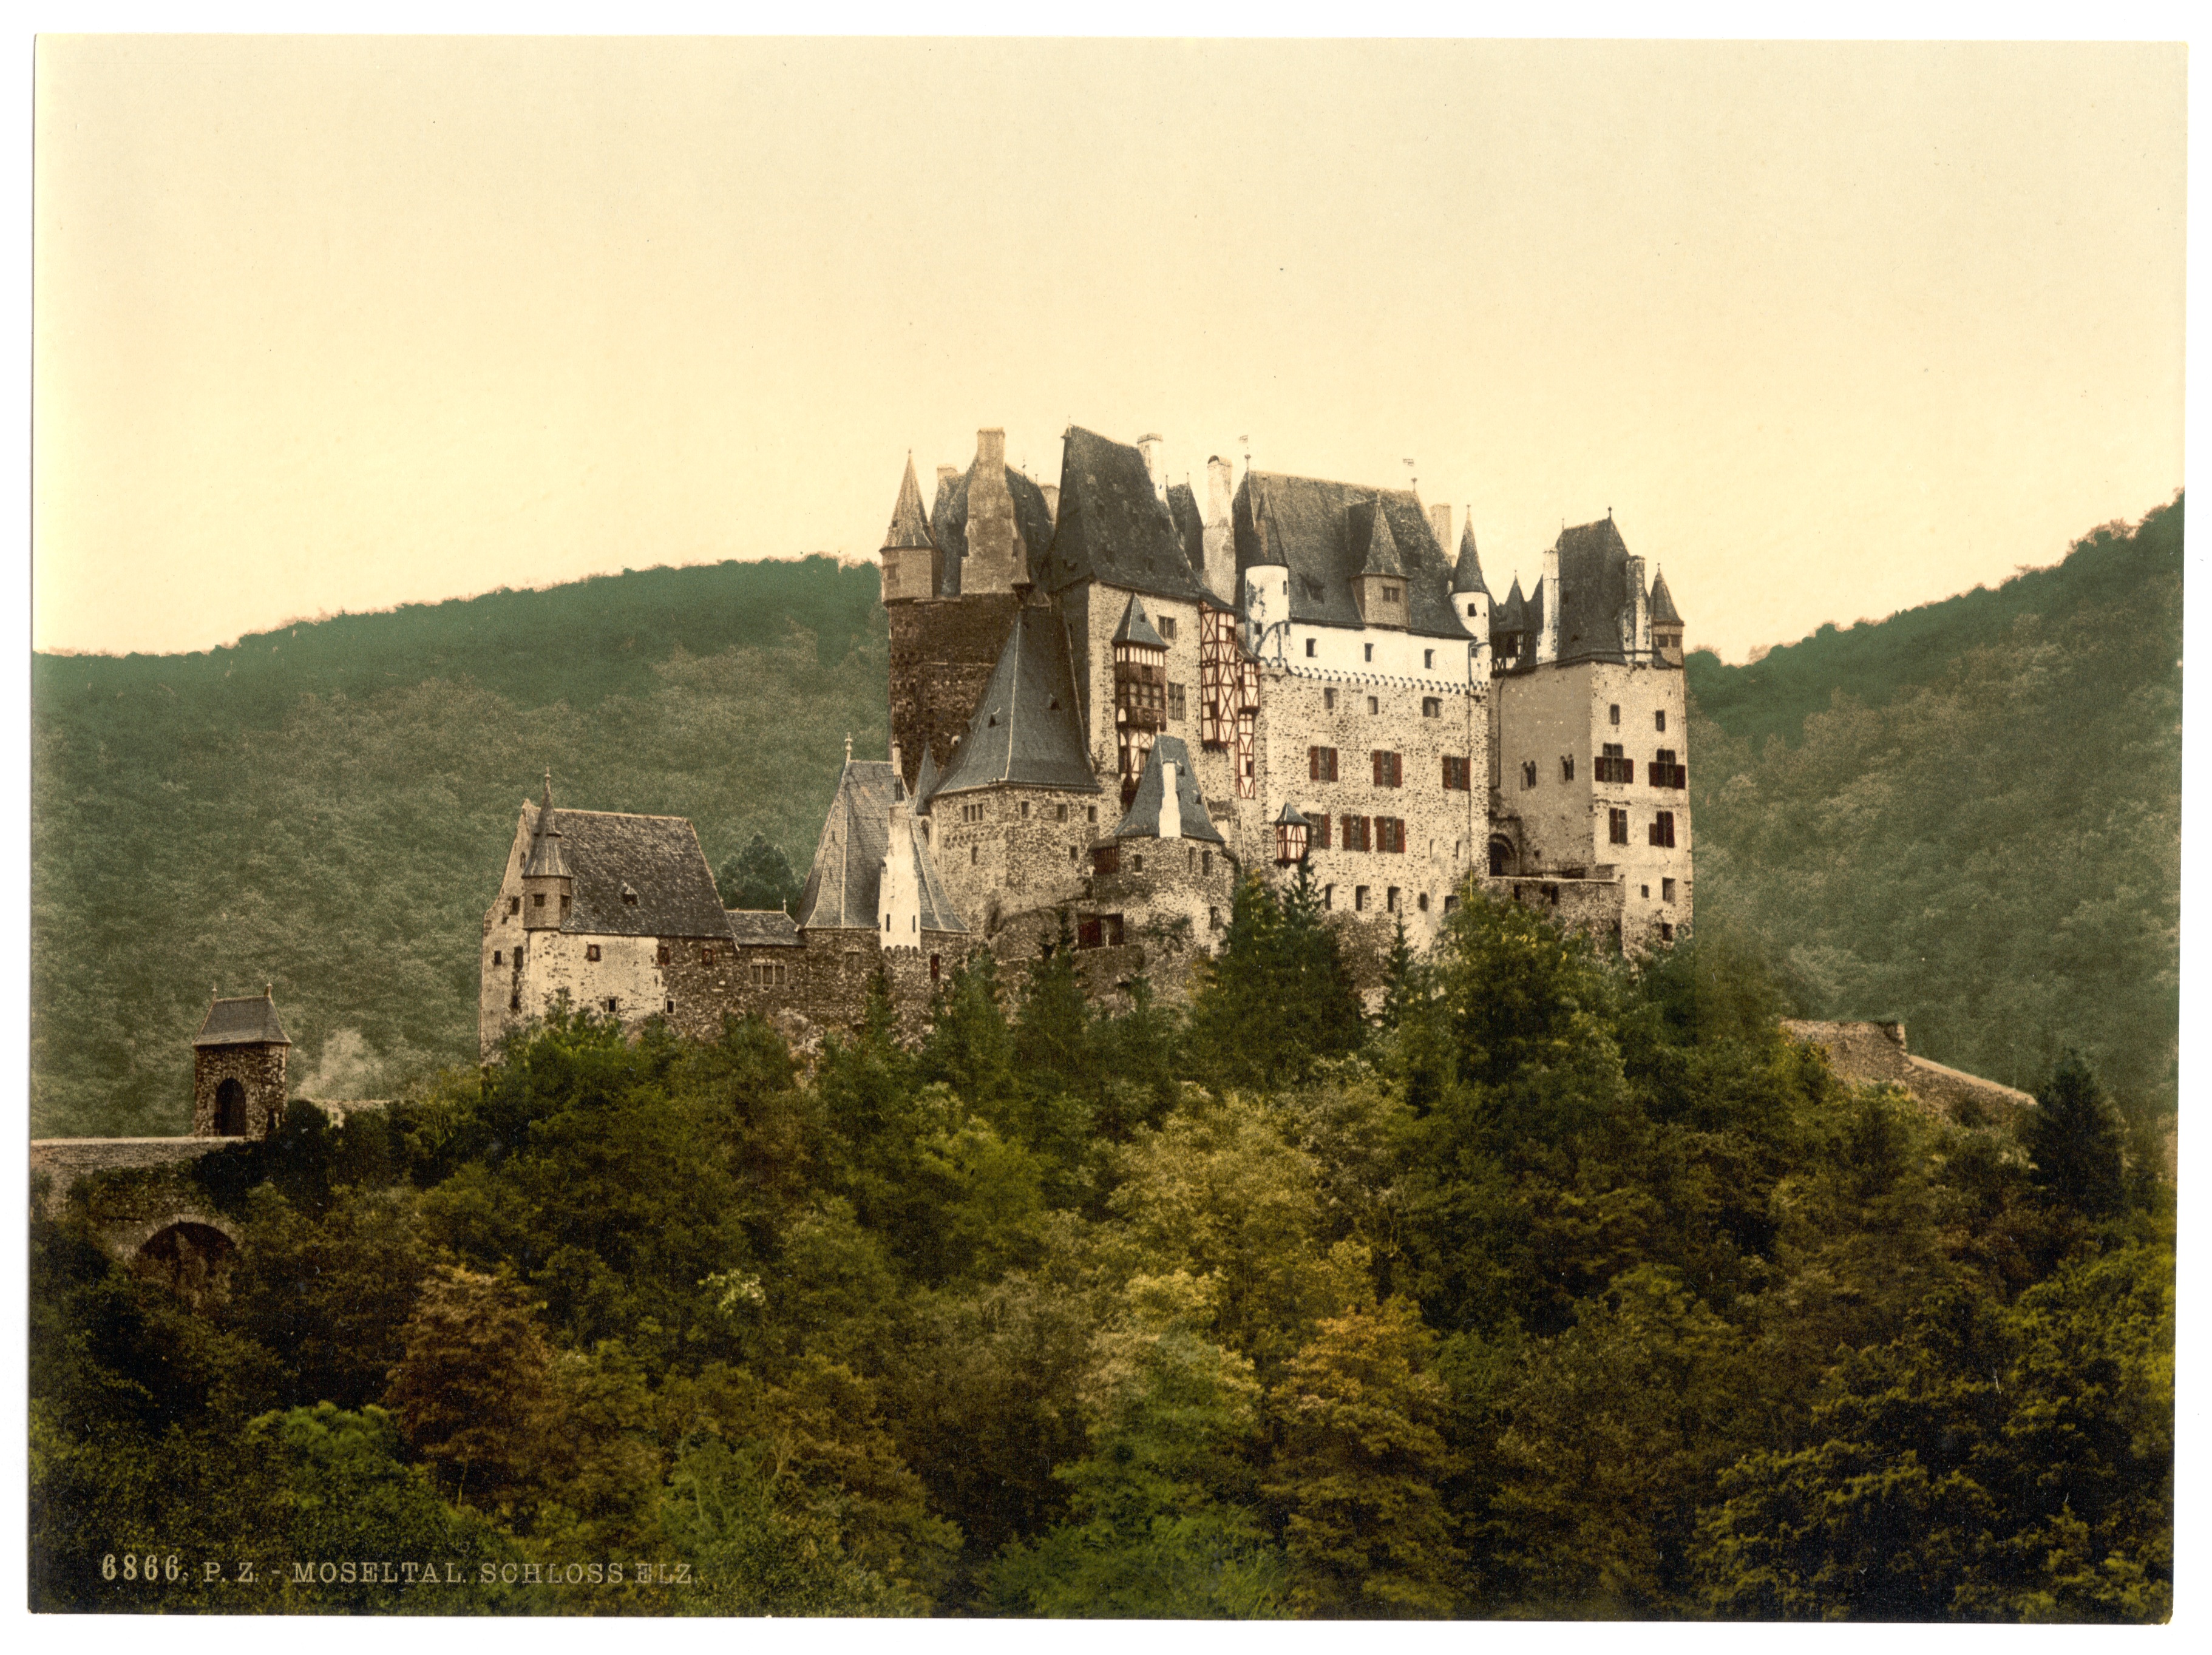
1167	627
1370	648
1528	773
1059	813
1665	890
1329	701
1309	648
515	905
1422	901
1666	933
1646	889
1359	898
1428	658
495	960
1566	768
670	1008
590	950
1136	864
1328	896
1617	832
1612	714
1661	717
1390	899
1091	813
1374	706
613	1004
1025	809
537	899
1432	707
1213	918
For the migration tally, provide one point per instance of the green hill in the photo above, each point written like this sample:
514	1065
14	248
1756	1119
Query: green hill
1968	815
324	807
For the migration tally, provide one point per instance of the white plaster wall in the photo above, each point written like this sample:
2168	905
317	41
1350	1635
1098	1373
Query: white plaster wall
628	969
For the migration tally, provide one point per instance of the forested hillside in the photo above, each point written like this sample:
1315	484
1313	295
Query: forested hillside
326	808
1969	815
1573	1290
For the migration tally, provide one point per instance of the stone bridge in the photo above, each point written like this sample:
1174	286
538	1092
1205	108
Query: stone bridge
156	1218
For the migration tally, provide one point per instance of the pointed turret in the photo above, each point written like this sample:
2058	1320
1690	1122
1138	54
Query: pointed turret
547	888
1467	573
913	567
1137	627
1379	588
1666	621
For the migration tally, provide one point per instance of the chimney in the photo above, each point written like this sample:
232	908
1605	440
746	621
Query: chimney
1440	525
946	477
1052	500
1148	446
1637	644
1220	535
997	560
1547	640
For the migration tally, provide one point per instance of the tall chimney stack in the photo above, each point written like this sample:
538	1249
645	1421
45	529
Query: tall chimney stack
1149	446
996	561
1220	535
1440	525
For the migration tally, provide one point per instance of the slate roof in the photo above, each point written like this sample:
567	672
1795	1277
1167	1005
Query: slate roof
1593	591
1368	529
658	857
1508	615
1142	820
1025	730
909	526
844	887
845	879
1311	526
1112	527
1467	573
1137	627
756	928
1190	526
948	522
926	783
249	1020
1663	612
547	860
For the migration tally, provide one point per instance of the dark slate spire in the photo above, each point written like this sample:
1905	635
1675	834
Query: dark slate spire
1466	576
1381	545
1509	614
546	861
1663	612
1137	627
925	783
909	524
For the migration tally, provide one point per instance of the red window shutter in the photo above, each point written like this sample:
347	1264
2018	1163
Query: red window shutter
1376	759
1313	764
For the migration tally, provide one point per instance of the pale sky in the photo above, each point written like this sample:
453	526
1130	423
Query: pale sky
336	324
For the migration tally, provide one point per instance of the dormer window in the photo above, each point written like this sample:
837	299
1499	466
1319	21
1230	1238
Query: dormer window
629	897
1394	594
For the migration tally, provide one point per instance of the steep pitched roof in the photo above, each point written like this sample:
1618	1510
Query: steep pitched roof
1509	616
546	860
248	1020
763	928
949	523
909	525
1467	573
1664	611
1190	526
655	858
1370	528
1112	527
926	783
1593	591
1137	627
1150	802
1308	524
1024	729
844	887
845	879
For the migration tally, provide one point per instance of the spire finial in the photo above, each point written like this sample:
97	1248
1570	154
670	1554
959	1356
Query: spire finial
849	746
269	991
549	788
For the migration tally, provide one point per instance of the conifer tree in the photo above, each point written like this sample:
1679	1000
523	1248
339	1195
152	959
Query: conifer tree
2076	1137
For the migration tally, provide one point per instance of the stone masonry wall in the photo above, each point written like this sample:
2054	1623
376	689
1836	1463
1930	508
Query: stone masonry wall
942	653
1001	850
258	1068
1865	1053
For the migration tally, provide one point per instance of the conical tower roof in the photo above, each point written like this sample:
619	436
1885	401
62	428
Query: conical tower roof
909	522
1466	575
1508	616
546	860
1663	612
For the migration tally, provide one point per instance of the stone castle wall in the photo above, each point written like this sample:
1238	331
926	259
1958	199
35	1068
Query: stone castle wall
259	1068
1866	1053
942	654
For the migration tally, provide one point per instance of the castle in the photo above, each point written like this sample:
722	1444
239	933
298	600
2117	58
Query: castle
1108	703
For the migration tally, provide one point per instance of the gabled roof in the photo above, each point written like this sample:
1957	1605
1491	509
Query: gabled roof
1467	573
1137	627
843	884
249	1020
1664	611
1190	526
1308	524
844	887
657	858
1112	527
1025	730
1150	801
1593	592
909	525
948	522
755	928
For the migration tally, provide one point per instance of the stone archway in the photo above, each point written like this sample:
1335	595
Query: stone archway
191	1258
1501	855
